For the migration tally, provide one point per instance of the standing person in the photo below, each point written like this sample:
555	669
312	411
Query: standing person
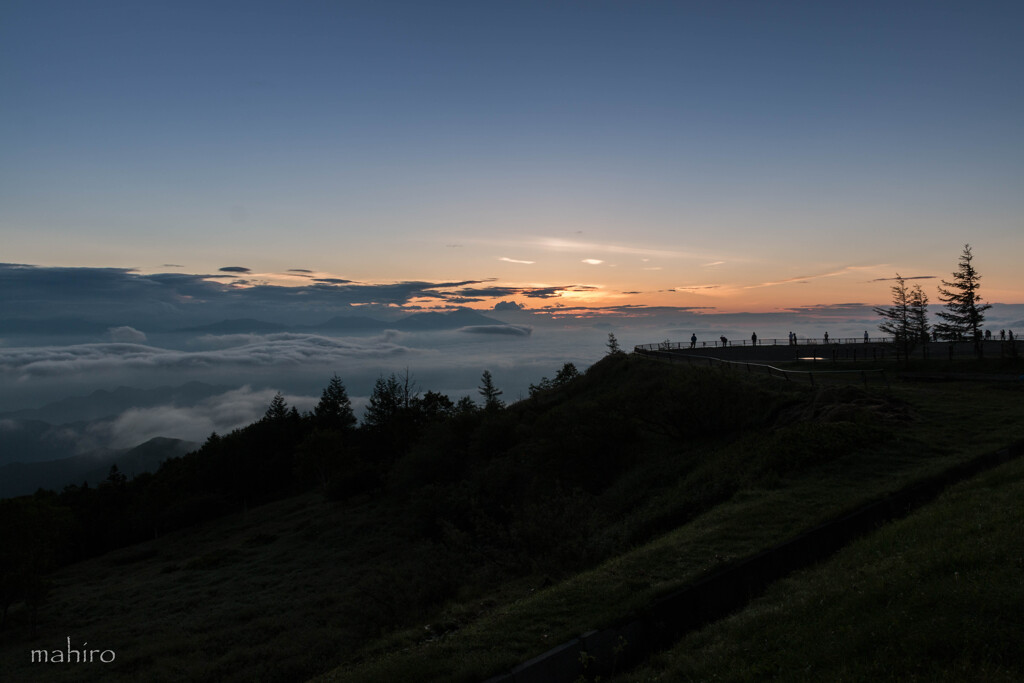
866	337
693	340
753	338
826	337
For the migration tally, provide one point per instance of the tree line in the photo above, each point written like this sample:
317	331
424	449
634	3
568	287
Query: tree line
283	453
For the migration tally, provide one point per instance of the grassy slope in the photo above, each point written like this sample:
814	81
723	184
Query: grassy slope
950	422
286	591
934	597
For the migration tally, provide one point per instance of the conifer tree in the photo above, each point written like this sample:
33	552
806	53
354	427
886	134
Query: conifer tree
897	319
490	392
613	344
278	409
919	326
334	411
385	402
964	312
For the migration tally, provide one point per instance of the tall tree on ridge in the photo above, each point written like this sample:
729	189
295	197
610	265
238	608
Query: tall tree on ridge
897	319
490	392
964	312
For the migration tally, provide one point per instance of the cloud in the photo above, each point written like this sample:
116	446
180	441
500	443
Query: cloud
571	245
510	330
126	334
512	260
238	351
913	277
803	279
162	300
299	270
234	269
508	306
222	413
713	263
593	261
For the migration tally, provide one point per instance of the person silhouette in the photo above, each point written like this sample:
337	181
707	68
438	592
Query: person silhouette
866	337
753	338
826	337
693	340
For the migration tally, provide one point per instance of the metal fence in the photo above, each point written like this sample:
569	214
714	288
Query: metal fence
727	343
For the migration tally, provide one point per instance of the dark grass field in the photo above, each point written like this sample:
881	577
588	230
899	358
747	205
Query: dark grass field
354	591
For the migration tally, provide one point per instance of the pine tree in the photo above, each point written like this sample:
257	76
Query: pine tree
964	312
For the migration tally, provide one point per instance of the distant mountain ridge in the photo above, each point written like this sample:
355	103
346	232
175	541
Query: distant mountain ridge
238	326
19	478
108	403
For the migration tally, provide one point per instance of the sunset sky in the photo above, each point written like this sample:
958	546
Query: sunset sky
727	156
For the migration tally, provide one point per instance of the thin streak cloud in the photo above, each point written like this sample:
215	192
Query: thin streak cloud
807	278
512	260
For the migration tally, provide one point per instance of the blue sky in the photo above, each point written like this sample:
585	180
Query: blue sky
746	156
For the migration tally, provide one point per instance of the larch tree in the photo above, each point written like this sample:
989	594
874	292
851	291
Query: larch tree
490	392
613	344
919	325
965	310
897	319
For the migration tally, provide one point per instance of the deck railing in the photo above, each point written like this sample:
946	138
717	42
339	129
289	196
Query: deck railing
718	344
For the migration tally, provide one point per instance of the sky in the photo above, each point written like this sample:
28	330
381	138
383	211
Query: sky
569	169
733	157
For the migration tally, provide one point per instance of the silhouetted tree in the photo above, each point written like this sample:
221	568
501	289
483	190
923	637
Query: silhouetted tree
390	419
278	410
334	411
490	392
613	344
919	325
385	402
964	312
433	406
567	374
897	319
115	477
465	406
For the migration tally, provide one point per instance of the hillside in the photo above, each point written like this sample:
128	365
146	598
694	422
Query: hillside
488	536
19	479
